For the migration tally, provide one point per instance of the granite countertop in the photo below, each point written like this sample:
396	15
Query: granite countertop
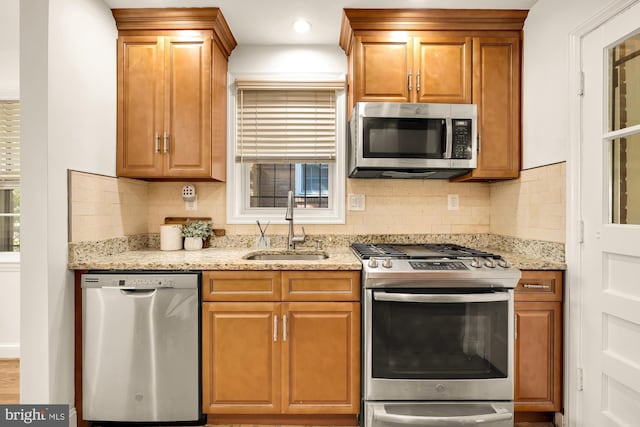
524	262
338	258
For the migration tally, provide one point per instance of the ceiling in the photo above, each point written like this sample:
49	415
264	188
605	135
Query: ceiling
270	21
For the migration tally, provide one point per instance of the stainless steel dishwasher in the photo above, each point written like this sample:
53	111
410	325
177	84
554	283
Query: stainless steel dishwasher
141	347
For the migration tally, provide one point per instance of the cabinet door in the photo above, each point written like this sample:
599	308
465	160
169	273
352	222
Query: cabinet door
140	106
321	358
442	66
187	106
538	356
321	285
496	91
382	68
241	358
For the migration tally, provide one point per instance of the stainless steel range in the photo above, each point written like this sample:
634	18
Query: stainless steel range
438	335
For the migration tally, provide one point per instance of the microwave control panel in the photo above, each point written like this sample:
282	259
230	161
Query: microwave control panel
462	142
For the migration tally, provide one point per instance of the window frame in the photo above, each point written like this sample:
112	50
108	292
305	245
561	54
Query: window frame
10	257
238	210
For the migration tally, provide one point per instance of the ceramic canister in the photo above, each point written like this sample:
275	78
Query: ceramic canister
170	237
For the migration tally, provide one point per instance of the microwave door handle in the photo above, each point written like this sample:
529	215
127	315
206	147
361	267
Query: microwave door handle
449	142
380	413
441	298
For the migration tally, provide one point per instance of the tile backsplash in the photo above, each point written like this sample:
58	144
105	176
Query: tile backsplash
530	207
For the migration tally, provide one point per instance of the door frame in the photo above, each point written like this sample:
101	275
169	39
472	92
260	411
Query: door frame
573	247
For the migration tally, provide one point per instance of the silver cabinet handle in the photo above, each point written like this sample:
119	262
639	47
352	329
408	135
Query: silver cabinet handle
275	328
452	298
157	143
165	143
515	326
418	82
410	81
284	327
535	286
467	420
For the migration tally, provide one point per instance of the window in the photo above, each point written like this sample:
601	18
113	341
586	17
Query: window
287	136
9	176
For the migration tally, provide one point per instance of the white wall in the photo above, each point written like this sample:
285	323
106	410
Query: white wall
10	89
9	49
68	89
546	77
287	60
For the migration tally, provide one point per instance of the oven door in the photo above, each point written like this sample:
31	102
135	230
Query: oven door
438	344
425	414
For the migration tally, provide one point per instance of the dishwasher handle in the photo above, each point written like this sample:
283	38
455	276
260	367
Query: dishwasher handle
139	293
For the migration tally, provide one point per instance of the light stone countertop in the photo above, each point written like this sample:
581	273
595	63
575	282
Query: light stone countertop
339	258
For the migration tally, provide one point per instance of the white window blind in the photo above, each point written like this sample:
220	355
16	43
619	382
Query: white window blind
279	124
9	144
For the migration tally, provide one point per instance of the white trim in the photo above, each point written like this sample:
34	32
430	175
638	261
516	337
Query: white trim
573	248
10	95
335	214
10	351
9	261
73	417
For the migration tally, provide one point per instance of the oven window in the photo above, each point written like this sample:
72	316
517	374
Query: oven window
404	138
418	340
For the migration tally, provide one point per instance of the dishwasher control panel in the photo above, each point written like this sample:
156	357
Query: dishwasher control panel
142	281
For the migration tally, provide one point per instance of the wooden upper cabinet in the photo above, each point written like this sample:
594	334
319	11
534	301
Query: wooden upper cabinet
382	69
140	105
496	91
442	69
172	66
444	56
397	68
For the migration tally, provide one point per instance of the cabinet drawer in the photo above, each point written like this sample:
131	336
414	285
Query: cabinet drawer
321	285
241	286
539	286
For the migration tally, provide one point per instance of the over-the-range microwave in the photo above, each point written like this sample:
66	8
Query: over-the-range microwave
410	140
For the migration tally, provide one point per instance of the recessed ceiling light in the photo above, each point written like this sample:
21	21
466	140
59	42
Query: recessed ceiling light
301	26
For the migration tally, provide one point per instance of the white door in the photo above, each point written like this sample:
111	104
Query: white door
610	205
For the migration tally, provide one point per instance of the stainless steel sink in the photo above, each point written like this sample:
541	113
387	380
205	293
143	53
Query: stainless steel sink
287	256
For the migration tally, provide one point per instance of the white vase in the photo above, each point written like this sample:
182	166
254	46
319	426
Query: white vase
192	243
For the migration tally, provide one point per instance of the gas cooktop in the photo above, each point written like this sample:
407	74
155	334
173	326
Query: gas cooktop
418	251
432	265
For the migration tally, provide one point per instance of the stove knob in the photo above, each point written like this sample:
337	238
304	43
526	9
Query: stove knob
475	263
490	263
387	263
373	263
503	263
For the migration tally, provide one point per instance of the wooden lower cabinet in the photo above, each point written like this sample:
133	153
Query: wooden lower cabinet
538	344
280	357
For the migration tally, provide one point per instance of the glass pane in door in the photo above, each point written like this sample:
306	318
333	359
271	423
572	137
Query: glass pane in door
624	77
625	182
624	112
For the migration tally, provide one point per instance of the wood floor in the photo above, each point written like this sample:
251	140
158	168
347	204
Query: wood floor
9	381
10	387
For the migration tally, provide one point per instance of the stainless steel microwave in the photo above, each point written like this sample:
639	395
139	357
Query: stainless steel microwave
409	140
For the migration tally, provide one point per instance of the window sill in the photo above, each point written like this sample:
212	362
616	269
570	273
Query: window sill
7	259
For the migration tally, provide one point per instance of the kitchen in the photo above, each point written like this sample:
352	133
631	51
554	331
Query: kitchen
87	145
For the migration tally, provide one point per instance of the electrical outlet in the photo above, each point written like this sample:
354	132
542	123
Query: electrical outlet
188	193
453	202
356	202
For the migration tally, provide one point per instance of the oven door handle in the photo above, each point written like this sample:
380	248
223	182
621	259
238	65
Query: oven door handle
439	298
380	413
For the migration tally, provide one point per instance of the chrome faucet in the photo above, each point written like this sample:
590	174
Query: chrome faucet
288	216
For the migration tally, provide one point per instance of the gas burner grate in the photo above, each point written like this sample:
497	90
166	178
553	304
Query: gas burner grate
368	250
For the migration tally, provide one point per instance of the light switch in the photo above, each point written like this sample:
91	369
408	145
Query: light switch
356	202
453	202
